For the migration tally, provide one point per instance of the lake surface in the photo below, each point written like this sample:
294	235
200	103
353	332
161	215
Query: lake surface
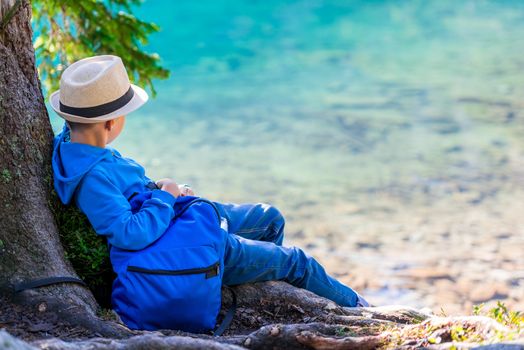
341	113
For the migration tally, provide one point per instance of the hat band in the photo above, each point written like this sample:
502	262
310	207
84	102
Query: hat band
96	111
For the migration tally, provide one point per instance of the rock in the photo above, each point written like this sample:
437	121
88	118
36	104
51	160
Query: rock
42	307
330	306
485	293
368	245
7	341
513	345
426	273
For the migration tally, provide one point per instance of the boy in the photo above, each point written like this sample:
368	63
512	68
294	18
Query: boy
94	97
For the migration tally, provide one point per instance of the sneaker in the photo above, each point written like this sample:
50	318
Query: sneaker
361	302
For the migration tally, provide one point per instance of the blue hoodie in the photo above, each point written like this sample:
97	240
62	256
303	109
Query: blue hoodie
99	181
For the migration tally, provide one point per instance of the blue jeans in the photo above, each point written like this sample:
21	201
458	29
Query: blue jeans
254	252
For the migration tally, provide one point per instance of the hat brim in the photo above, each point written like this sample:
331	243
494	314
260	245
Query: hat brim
140	97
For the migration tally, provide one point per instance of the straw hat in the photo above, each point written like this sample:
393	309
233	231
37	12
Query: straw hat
96	89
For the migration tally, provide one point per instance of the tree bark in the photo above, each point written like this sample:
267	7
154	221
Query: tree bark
29	243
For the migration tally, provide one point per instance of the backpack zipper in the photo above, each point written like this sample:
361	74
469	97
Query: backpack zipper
210	271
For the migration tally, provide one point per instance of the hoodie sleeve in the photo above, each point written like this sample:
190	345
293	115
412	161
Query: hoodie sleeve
110	213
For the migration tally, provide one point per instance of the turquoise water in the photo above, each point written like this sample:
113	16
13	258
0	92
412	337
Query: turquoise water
283	101
312	104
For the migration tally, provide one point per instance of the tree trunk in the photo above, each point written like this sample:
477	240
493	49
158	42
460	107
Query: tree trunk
29	243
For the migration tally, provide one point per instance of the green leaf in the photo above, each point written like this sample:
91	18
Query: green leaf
72	30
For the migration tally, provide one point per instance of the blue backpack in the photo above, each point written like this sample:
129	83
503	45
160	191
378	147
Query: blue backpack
175	282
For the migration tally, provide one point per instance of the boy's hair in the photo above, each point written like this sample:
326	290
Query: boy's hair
74	126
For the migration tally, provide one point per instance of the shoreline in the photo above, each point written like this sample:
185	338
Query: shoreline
448	256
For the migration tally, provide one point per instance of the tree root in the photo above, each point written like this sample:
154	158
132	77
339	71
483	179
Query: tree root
317	335
273	314
270	315
277	315
312	335
70	305
295	336
324	343
265	303
153	340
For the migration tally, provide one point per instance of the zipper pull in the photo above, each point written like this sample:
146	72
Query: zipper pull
214	272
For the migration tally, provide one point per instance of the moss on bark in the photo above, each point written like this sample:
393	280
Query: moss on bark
87	251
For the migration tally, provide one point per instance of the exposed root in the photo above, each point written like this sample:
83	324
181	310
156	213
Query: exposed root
319	342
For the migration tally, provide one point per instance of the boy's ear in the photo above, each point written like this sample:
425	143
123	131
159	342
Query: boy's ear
109	124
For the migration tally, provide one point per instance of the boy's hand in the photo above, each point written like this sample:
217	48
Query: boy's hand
170	186
186	190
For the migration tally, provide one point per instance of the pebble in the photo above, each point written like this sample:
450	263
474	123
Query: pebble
330	306
42	307
483	293
247	342
426	273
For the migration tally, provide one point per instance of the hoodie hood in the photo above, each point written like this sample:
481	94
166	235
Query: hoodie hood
71	161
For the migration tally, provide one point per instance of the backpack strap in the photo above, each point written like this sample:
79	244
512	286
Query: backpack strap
226	322
150	186
196	200
46	282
